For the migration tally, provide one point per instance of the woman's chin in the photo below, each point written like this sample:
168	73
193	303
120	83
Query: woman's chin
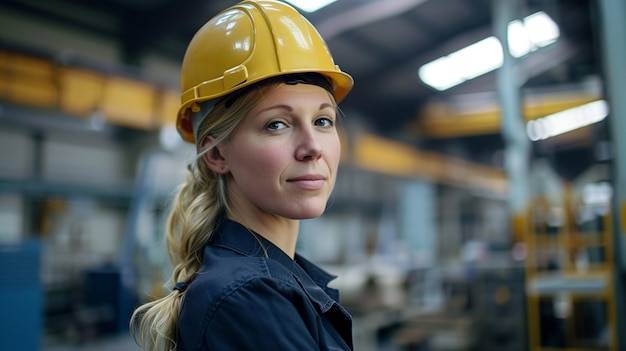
307	213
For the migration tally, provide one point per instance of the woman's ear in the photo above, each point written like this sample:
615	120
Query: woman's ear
213	157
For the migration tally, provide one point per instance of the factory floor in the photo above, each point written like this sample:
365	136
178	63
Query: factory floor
113	343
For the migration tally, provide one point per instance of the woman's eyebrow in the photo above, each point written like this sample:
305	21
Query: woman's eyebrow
290	108
276	107
326	105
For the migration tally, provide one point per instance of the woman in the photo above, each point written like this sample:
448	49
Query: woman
259	95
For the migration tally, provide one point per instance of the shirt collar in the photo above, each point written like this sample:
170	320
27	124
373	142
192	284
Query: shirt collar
234	236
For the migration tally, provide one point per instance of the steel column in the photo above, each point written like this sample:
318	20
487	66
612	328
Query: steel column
613	48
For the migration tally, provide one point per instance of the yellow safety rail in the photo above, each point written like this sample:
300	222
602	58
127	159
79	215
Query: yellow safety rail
568	284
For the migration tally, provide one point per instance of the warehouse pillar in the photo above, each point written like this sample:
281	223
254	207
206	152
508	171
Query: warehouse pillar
517	151
613	49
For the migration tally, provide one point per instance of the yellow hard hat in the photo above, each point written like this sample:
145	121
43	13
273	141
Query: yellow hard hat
246	43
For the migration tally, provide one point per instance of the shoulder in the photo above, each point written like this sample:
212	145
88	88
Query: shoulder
227	278
240	293
259	312
228	271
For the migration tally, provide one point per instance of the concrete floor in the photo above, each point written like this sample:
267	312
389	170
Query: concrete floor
113	343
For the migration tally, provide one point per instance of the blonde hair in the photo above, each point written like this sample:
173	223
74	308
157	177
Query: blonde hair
200	202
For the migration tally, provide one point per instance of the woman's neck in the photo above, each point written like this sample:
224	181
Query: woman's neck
280	231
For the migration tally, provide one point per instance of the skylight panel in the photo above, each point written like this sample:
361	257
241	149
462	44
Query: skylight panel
465	64
533	32
310	5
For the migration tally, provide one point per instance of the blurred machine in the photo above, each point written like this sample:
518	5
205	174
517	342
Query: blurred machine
21	296
571	266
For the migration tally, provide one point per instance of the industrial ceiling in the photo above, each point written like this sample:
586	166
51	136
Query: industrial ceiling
381	43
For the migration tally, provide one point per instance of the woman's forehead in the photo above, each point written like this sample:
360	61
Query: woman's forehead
296	94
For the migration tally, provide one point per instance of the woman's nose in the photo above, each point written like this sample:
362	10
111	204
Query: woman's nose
309	145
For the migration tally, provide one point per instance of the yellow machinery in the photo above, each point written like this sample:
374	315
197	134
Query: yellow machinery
570	268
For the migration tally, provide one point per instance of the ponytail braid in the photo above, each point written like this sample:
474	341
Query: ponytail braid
198	206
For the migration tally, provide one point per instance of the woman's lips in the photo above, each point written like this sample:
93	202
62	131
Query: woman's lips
308	182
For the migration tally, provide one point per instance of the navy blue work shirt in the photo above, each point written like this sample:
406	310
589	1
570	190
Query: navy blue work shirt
249	295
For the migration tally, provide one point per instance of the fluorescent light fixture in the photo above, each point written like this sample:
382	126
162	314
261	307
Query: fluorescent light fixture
533	32
568	120
310	5
465	64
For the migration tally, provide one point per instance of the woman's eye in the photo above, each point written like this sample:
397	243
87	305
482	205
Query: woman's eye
276	125
324	122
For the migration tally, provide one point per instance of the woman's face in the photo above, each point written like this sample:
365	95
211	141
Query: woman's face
283	158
